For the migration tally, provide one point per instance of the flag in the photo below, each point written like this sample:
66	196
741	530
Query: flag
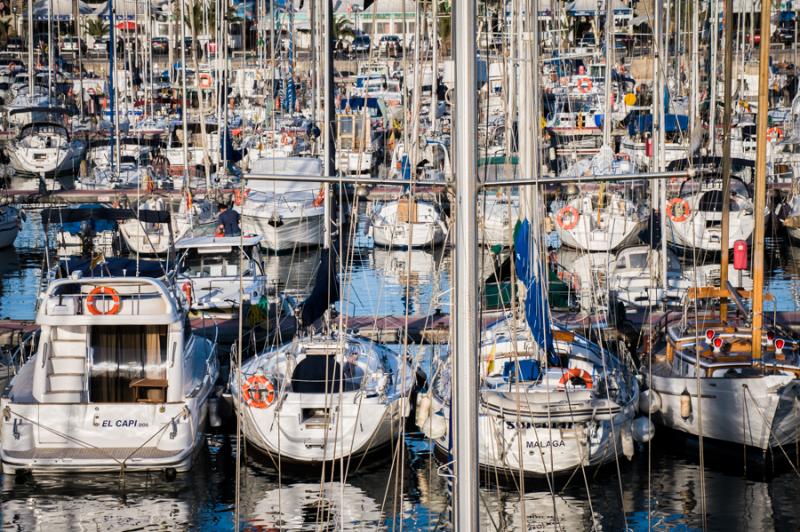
490	365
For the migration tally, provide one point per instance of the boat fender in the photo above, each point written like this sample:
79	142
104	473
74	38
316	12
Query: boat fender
435	427
686	405
627	440
423	409
649	402
643	429
214	418
187	291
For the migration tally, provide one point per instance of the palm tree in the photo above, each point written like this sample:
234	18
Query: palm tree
96	28
342	29
445	27
6	30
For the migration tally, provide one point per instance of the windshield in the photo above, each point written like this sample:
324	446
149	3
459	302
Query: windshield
199	265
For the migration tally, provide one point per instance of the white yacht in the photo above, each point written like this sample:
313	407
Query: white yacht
209	273
44	150
594	221
694	217
287	214
408	222
323	398
10	224
153	238
118	382
571	414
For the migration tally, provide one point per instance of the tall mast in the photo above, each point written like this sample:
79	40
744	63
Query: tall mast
726	159
184	110
609	38
465	365
111	91
31	65
712	108
330	114
760	188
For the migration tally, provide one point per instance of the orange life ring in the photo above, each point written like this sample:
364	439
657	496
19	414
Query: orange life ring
258	391
103	291
205	81
320	199
774	134
237	196
574	216
584	85
576	373
681	213
187	291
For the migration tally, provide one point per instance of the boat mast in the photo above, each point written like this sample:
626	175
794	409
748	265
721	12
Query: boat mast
465	365
712	108
329	117
31	65
609	38
50	64
726	161
184	110
760	188
113	156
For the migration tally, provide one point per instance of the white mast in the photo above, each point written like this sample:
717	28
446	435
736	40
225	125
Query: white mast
609	35
712	109
465	365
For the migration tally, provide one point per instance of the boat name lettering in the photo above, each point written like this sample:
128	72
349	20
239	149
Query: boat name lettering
122	423
544	444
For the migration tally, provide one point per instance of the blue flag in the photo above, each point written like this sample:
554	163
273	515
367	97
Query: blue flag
531	273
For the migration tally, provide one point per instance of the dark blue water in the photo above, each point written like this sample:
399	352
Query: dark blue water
661	488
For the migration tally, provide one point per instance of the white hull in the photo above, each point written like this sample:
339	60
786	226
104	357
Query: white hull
619	231
538	449
770	418
289	233
362	425
408	235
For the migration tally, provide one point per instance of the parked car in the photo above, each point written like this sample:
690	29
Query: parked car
15	44
72	45
390	45
99	46
159	45
361	45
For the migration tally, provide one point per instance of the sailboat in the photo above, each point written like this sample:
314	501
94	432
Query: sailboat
550	401
325	396
724	374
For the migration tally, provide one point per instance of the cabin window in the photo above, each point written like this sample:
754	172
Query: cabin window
123	355
199	265
639	260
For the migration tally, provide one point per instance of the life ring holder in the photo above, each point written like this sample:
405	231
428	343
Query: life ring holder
103	291
258	391
573	214
682	213
576	373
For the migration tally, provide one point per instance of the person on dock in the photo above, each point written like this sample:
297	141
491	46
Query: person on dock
228	221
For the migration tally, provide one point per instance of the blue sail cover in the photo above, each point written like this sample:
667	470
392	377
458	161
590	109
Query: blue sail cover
325	291
530	272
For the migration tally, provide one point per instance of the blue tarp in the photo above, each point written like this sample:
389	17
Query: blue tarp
98	225
112	267
357	102
531	273
643	123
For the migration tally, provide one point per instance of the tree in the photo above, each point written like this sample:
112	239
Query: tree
342	29
445	25
96	28
6	30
